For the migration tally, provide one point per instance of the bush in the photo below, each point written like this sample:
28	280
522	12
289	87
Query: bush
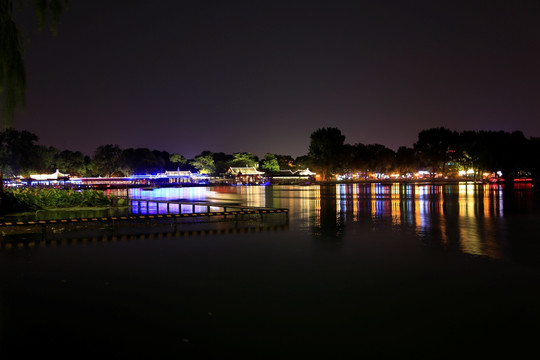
31	199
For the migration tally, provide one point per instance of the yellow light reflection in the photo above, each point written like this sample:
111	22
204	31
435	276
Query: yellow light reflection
341	201
355	198
395	207
373	197
421	215
463	215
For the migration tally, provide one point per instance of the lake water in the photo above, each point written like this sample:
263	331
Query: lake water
355	270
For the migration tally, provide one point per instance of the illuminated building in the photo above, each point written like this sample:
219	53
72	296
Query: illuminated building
246	175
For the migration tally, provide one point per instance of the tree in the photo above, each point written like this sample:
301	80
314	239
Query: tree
161	160
244	159
302	162
380	158
286	162
433	147
534	157
204	163
12	70
19	154
72	162
45	157
511	153
326	150
406	161
222	162
355	157
472	151
141	161
270	163
177	159
106	160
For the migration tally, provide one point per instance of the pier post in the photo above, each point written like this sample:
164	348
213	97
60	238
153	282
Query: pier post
111	227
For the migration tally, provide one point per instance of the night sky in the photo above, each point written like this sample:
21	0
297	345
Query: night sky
261	76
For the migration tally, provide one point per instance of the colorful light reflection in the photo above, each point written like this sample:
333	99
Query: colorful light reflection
463	216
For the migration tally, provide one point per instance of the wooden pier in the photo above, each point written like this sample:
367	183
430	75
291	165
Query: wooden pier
167	206
165	212
12	243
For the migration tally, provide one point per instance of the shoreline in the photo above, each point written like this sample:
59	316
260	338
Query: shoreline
105	187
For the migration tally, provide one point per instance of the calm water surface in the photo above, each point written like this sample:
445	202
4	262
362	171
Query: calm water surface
356	270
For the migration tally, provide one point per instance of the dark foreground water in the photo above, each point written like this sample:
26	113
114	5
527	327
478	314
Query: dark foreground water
379	271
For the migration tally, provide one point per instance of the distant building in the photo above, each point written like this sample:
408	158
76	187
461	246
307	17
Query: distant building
54	179
49	177
246	175
179	176
293	177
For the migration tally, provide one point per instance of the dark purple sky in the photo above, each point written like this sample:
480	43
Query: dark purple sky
261	76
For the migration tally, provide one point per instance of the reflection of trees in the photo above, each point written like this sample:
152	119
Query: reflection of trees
521	208
518	199
463	217
467	221
330	225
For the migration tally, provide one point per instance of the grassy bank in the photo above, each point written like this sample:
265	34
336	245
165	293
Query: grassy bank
32	199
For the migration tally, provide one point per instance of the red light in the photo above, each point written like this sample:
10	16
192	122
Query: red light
523	180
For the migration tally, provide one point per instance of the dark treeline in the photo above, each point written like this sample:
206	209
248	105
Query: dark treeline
437	150
21	155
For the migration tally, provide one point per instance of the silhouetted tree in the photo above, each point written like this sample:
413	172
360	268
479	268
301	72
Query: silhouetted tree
161	162
513	159
326	150
45	157
380	158
72	162
285	162
433	145
534	157
106	160
302	162
357	157
19	153
222	162
12	70
406	161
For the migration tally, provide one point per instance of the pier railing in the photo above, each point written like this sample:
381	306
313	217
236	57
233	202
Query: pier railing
169	206
165	211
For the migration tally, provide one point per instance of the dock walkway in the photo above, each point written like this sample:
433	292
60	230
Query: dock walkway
165	211
167	206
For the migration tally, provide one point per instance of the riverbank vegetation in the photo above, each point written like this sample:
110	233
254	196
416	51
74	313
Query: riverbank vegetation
437	150
33	199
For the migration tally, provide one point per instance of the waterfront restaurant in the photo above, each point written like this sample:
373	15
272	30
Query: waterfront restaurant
56	178
293	177
246	175
176	177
